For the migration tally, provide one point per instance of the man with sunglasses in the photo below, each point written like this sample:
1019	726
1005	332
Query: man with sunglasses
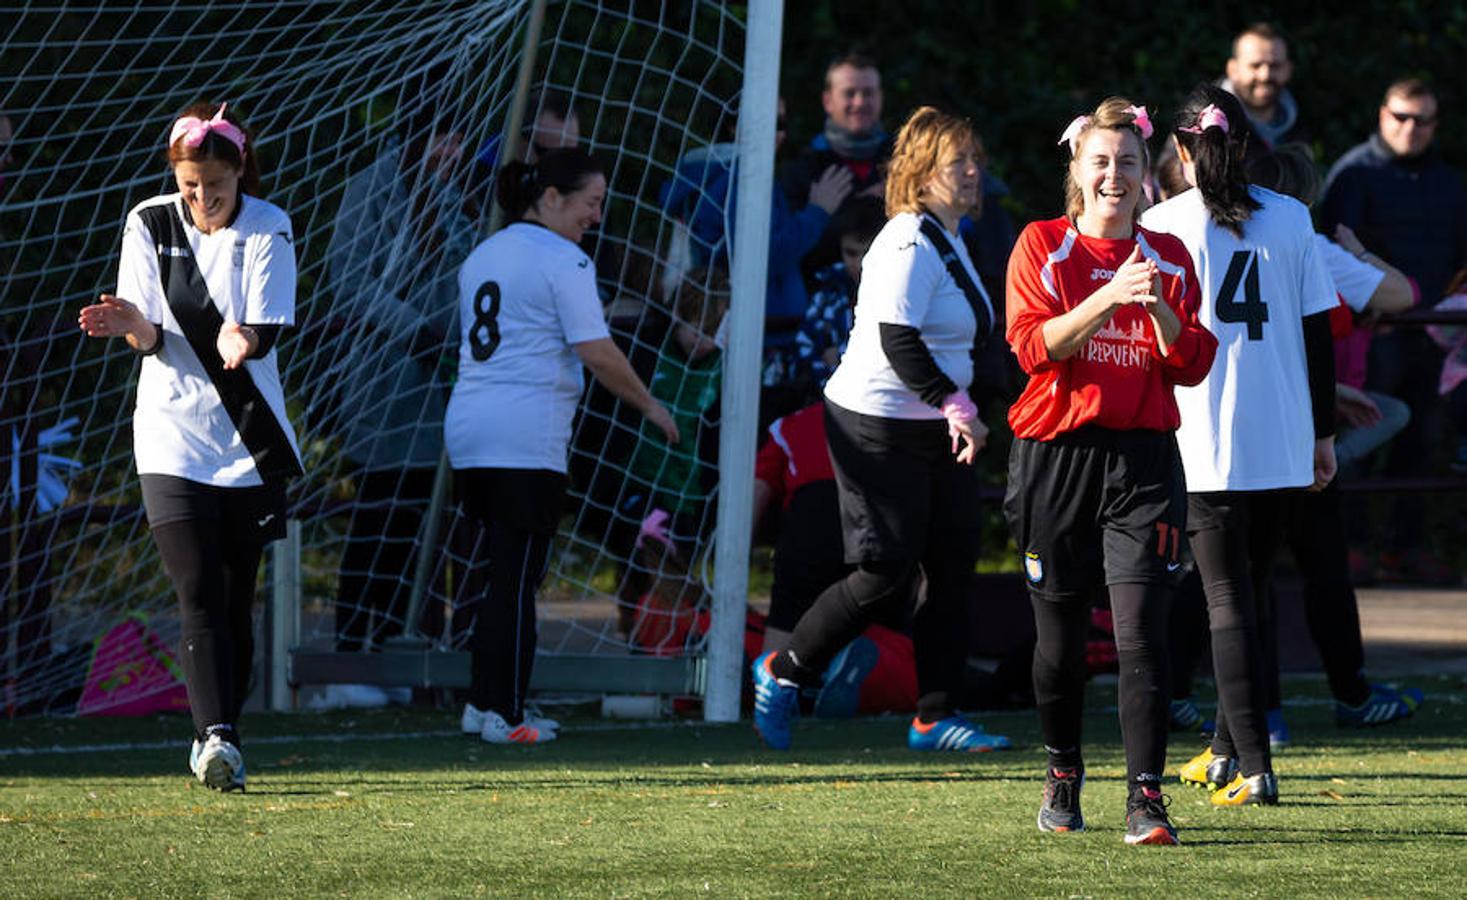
1403	200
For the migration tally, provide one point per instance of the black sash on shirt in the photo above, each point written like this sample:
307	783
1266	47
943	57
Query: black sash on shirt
189	300
959	272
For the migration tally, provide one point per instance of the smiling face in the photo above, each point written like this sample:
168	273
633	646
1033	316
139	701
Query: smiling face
1108	167
210	189
1259	72
852	98
572	214
954	186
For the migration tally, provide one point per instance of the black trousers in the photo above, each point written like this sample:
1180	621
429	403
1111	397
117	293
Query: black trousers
375	579
906	506
211	539
518	510
1235	536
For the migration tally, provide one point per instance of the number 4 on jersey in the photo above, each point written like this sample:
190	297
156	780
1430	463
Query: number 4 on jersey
1251	310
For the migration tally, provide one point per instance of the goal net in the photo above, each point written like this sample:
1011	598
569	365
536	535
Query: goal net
380	127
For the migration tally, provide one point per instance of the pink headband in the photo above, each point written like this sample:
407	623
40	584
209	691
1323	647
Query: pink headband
192	130
1078	124
1209	117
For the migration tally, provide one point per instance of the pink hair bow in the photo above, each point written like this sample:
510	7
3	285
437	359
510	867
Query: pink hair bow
1209	117
1142	121
1072	132
192	130
655	527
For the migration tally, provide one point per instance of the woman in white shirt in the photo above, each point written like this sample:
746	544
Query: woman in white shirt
1260	424
530	318
205	284
903	433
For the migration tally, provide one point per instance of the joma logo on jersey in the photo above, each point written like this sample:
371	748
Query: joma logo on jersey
173	251
1102	274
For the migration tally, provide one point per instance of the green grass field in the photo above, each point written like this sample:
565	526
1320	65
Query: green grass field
393	803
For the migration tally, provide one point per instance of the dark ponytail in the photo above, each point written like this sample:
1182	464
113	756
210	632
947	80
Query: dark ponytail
1218	156
520	185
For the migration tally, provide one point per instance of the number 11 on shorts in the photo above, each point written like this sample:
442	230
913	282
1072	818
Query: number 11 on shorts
1168	540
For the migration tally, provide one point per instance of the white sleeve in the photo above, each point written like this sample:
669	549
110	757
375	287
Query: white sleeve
138	281
577	304
1355	280
898	281
1316	290
270	291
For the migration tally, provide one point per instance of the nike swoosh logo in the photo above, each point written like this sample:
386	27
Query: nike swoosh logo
265	521
1173	566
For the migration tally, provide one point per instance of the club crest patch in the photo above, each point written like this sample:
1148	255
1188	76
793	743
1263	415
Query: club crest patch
1033	567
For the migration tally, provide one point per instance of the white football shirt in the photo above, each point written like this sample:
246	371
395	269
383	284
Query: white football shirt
1355	279
526	295
180	426
904	282
1248	426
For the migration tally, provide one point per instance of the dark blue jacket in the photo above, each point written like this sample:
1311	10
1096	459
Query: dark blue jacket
703	193
1413	212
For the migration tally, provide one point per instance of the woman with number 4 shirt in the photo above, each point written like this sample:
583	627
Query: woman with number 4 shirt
1102	315
205	284
1259	424
530	318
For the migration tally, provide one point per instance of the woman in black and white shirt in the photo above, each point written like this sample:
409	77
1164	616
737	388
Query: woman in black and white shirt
530	318
205	284
903	433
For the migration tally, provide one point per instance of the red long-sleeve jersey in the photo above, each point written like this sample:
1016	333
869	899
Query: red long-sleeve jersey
795	454
1118	379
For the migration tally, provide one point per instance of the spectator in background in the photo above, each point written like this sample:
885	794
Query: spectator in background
391	267
703	196
550	122
827	322
852	141
1258	74
1314	528
1402	199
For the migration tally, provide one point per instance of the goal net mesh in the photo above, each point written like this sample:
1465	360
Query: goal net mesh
379	130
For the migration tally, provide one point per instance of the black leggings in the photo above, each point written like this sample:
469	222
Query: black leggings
518	510
1234	538
1062	623
213	572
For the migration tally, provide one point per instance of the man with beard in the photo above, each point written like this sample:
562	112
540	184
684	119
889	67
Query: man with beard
1258	74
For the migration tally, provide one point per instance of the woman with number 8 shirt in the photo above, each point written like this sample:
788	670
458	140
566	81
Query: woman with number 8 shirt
1259	424
530	317
1102	315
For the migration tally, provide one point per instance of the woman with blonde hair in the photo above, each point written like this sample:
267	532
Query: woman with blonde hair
903	433
1102	315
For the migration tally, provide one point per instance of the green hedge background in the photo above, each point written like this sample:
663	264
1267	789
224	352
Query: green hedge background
1021	72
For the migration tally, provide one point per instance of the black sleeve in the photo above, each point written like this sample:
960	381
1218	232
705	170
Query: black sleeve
157	345
914	365
1319	356
268	335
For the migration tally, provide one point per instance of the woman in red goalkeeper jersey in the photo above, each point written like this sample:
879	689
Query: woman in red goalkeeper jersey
1102	315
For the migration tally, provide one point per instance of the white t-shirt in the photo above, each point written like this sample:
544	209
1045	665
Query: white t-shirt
519	380
181	427
1248	426
904	282
1355	279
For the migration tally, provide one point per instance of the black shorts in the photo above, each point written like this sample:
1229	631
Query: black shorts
528	500
255	514
900	485
1096	507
